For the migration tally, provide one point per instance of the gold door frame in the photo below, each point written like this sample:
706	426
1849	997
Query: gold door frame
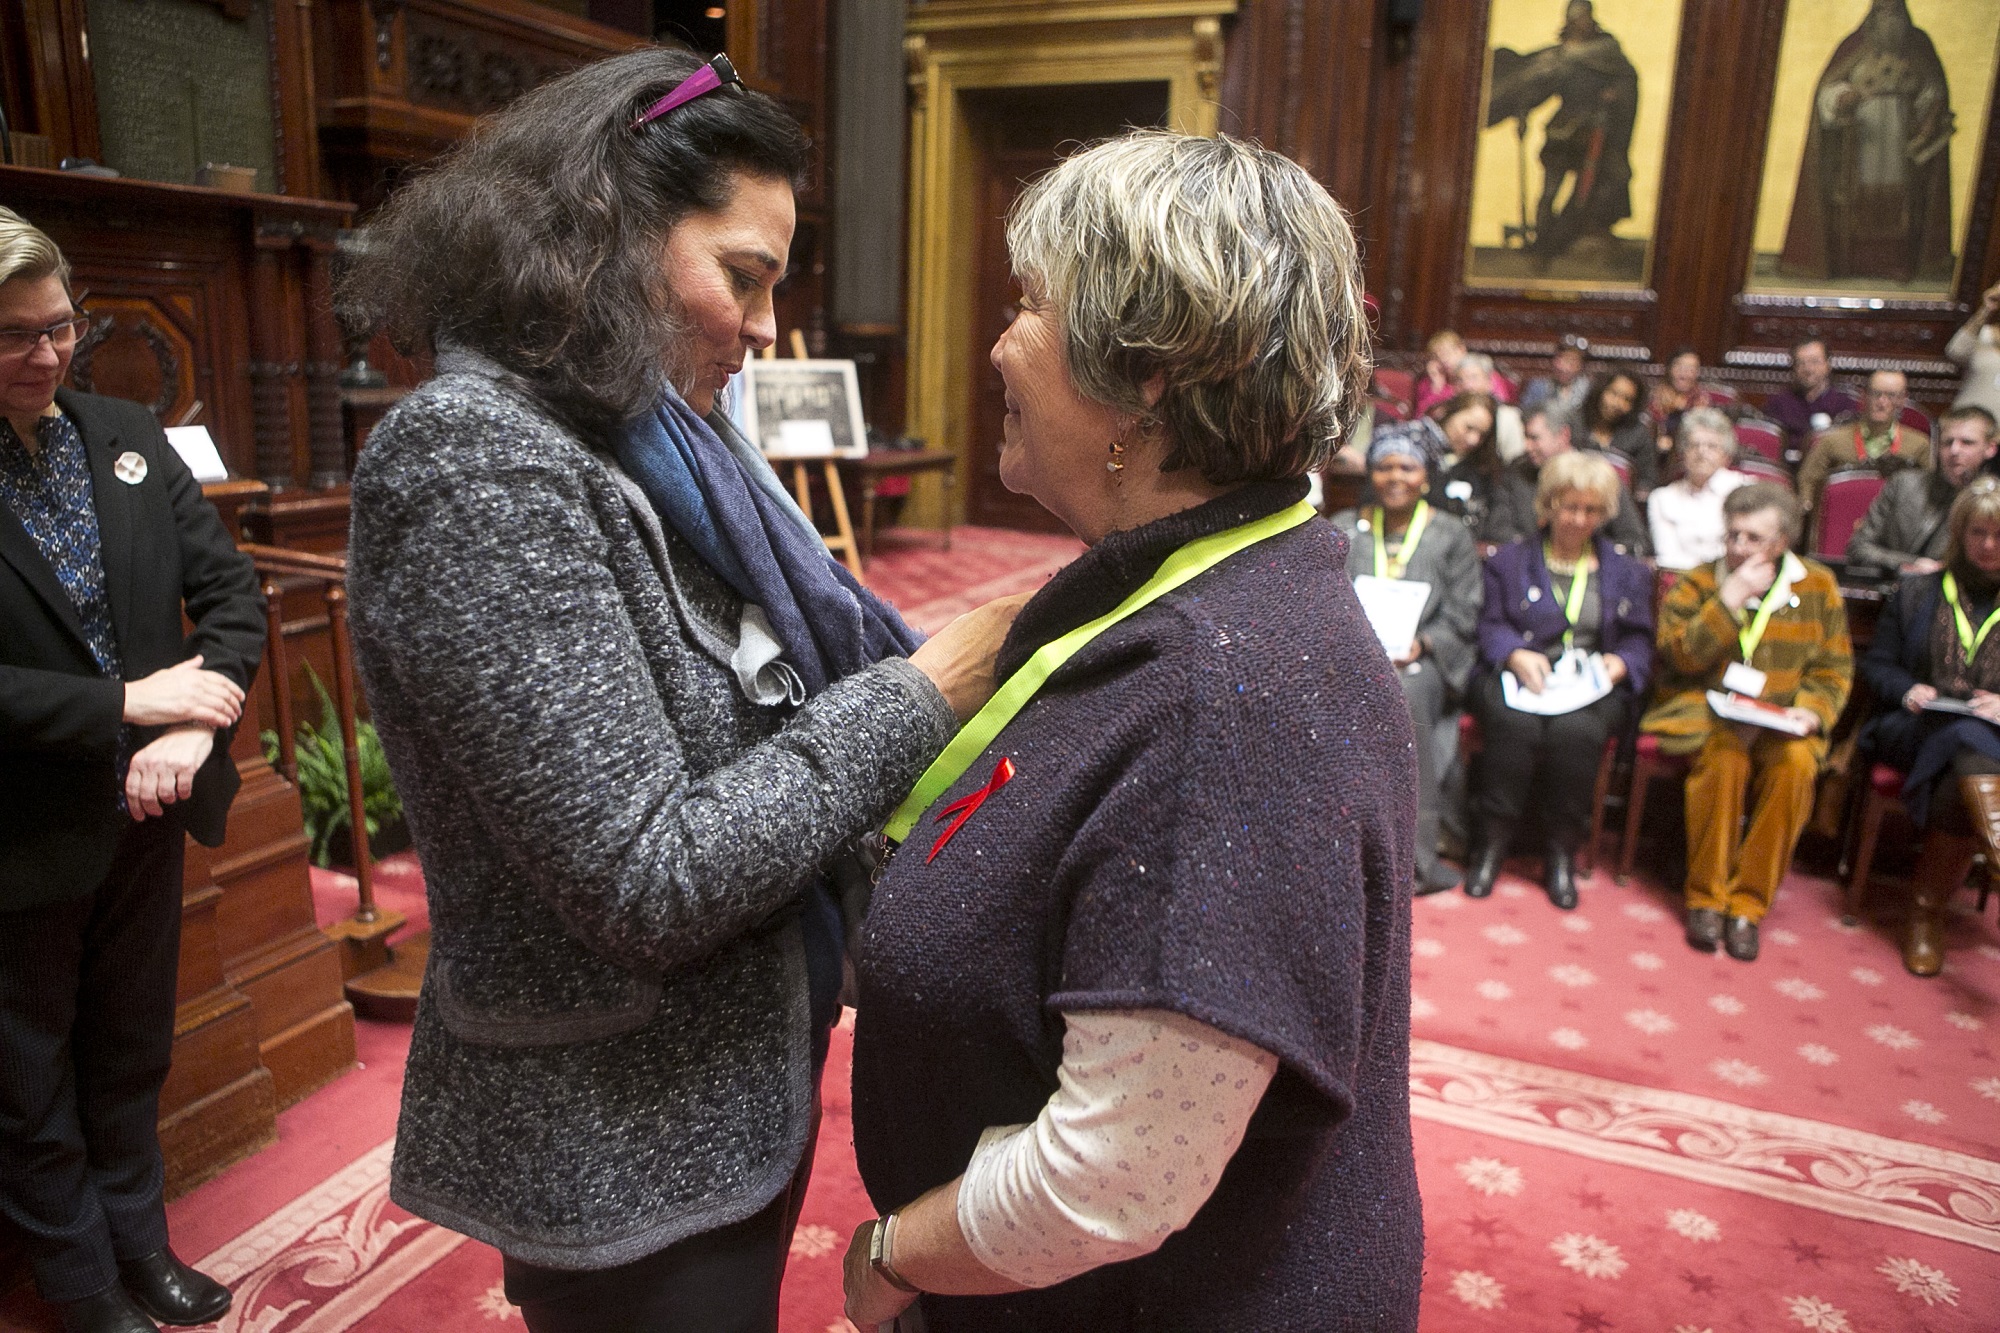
954	46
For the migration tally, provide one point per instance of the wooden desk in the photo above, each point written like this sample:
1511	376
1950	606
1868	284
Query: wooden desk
883	463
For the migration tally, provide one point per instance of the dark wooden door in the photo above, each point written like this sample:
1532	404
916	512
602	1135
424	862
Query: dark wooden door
1021	133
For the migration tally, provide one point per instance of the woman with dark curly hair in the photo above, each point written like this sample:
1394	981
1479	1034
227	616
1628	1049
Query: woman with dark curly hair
1614	423
635	710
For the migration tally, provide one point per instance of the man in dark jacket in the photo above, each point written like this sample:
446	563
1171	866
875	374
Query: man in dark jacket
1905	530
1551	431
114	745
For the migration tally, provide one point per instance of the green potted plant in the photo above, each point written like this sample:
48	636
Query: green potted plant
322	787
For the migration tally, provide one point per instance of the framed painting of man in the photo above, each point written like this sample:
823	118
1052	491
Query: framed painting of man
1878	124
1566	178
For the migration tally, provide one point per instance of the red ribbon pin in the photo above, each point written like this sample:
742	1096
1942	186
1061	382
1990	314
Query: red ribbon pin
1003	773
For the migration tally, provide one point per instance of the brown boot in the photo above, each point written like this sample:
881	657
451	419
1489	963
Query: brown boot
1982	806
1941	866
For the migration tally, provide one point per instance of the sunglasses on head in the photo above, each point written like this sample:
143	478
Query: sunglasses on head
717	73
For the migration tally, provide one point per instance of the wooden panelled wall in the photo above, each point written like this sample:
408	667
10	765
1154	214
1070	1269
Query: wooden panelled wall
1388	117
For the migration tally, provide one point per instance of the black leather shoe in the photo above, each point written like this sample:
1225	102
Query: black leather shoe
1439	878
173	1293
1485	867
1559	877
1739	937
109	1311
1704	929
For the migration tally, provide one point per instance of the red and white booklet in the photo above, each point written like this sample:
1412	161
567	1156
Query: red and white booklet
1733	707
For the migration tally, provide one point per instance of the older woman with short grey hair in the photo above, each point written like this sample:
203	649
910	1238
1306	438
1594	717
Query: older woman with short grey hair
1160	887
1685	515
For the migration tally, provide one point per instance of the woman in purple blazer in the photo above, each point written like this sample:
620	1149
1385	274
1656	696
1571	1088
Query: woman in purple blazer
1566	589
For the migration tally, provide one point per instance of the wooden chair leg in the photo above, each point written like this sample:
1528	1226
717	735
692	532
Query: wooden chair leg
1599	793
1872	809
1643	773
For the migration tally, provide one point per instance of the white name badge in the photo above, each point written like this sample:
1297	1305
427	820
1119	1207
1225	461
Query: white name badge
1742	678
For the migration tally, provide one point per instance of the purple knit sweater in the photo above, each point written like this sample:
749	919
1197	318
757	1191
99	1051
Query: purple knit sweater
1212	813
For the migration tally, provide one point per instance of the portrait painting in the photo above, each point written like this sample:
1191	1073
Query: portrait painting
1566	180
1878	123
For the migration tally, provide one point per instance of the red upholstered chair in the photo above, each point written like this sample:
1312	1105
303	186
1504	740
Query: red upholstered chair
1917	419
1648	763
1391	409
1842	505
1761	437
1763	469
1722	395
1882	793
1398	386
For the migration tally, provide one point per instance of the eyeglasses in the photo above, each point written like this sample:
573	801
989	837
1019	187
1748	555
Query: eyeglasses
62	335
717	73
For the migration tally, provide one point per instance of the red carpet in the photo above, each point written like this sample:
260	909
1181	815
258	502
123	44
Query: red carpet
1613	1132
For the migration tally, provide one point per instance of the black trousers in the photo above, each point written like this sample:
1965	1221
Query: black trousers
1547	764
721	1281
86	1035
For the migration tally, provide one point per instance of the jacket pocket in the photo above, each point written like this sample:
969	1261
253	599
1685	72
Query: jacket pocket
609	1007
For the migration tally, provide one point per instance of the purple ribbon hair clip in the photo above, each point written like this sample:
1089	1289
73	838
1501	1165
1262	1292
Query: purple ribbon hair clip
717	73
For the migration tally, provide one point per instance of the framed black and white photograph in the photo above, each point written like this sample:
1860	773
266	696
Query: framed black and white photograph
803	409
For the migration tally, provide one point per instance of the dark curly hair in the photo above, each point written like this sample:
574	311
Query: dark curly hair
537	242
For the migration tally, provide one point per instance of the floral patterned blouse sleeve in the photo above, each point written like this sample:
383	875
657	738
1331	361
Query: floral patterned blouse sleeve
1151	1107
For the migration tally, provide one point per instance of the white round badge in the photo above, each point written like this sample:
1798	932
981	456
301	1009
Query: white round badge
130	468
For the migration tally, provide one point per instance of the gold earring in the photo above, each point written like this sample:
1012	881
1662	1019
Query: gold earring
1117	463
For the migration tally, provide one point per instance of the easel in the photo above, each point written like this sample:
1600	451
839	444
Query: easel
841	542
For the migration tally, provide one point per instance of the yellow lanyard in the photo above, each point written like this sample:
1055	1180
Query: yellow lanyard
1966	638
1789	573
1578	583
1201	554
1385	568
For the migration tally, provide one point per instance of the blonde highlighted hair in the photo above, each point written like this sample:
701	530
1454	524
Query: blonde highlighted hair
1576	470
27	252
1979	500
1221	270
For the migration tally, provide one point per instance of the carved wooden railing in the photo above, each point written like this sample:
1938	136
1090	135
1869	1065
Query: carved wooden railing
382	980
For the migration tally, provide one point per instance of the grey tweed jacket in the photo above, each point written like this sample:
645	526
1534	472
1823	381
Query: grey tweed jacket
611	1049
1907	520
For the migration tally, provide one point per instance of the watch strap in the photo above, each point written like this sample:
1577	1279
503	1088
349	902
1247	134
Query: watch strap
878	1255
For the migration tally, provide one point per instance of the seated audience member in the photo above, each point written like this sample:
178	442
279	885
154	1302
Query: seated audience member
1403	537
1685	515
1765	609
1613	422
1550	434
1878	439
1976	348
1905	531
1565	385
1440	378
1495	502
1568	589
1680	391
1477	375
1814	402
1930	644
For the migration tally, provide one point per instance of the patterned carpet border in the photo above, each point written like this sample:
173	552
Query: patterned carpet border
1849	1172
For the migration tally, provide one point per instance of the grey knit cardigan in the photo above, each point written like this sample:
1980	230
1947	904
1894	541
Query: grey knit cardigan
611	1049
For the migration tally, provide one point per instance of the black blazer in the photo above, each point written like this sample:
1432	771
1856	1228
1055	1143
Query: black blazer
164	548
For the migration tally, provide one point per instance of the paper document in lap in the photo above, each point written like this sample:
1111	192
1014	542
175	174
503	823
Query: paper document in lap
1394	607
1738	708
1957	707
1576	681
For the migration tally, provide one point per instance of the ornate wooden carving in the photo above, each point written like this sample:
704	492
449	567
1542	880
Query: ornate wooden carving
128	354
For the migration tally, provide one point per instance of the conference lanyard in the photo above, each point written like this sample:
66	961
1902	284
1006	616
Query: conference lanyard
1579	582
1966	638
1385	568
1197	557
1861	444
1789	572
